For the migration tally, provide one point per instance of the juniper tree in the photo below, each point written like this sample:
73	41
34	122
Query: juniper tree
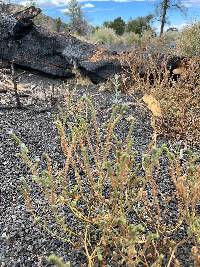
118	25
139	24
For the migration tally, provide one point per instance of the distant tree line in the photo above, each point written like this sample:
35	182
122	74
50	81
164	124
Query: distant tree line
78	23
137	25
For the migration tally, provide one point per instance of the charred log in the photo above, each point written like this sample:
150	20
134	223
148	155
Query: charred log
31	47
27	14
99	71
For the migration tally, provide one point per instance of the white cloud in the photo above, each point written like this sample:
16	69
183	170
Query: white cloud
45	3
88	5
184	24
59	3
23	3
180	26
122	1
64	10
125	1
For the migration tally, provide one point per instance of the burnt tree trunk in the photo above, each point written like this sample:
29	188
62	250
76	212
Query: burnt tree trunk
164	7
32	47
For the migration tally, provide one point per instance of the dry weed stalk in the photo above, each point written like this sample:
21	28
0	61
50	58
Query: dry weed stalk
99	187
177	92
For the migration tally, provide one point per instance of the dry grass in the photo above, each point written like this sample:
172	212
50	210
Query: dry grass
188	41
97	201
119	217
179	100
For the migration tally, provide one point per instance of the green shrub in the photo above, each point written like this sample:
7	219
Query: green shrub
131	38
108	36
105	36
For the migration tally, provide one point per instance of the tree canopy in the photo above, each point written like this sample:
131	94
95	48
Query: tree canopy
139	24
118	25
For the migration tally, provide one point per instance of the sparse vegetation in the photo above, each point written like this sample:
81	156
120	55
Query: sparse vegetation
188	42
178	99
122	217
113	201
105	36
4	7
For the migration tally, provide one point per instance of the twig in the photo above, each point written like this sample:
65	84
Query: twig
14	81
19	75
173	252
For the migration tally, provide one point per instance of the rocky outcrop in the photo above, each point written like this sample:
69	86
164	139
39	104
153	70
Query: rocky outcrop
30	46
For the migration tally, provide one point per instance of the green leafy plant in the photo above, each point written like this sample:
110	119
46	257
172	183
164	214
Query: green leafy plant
105	36
58	262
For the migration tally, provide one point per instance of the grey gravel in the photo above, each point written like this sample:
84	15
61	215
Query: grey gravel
22	243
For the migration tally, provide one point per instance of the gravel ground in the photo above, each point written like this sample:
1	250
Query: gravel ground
22	243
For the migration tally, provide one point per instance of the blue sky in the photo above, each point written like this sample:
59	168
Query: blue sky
99	11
